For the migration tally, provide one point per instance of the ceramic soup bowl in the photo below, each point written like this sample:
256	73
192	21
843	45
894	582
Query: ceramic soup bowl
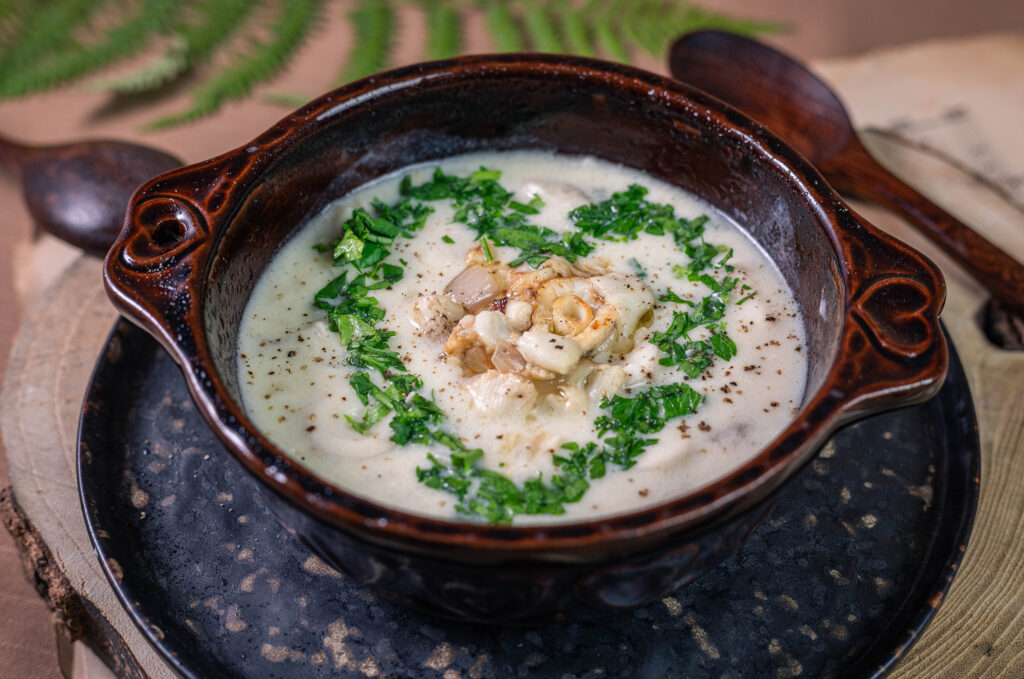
196	239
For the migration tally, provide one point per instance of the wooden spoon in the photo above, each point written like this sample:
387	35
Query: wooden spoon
79	192
783	95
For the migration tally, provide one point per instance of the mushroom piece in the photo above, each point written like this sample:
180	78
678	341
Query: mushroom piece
491	327
475	287
631	300
569	400
434	316
551	190
570	315
475	338
506	358
604	381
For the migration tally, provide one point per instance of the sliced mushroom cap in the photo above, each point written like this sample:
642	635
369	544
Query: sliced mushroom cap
551	190
506	358
475	287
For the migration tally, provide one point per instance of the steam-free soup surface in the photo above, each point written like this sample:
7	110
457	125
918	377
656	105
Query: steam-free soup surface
489	364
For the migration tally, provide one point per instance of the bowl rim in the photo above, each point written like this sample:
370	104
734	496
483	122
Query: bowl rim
160	286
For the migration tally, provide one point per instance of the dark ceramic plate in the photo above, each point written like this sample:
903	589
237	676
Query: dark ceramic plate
838	582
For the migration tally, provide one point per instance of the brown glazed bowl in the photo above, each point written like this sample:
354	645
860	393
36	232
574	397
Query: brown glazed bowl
196	239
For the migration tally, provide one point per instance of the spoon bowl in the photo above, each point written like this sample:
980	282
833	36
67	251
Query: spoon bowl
775	90
79	192
782	94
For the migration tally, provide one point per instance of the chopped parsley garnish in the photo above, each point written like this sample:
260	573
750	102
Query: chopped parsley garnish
627	214
496	498
702	257
694	357
353	313
385	388
485	206
670	296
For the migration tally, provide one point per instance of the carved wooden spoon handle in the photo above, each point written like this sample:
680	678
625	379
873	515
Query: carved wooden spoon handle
855	172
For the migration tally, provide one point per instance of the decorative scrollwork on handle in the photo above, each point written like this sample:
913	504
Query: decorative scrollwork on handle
162	230
896	313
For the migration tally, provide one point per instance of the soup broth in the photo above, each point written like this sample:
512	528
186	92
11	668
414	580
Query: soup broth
547	338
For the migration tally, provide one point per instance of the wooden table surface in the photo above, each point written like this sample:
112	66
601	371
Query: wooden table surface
978	632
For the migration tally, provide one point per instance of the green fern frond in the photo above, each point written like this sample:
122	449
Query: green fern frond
44	29
192	44
167	66
607	37
577	38
698	18
634	23
47	42
286	100
541	30
11	14
119	41
444	38
213	26
263	60
503	29
214	23
373	22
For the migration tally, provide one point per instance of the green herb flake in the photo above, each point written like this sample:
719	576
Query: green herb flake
637	268
670	296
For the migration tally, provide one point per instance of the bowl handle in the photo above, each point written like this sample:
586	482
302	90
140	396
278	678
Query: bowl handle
893	345
147	271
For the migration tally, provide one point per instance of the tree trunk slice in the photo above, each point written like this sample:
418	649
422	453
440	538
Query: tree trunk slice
50	366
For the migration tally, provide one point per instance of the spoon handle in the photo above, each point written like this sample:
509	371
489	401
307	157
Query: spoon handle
856	172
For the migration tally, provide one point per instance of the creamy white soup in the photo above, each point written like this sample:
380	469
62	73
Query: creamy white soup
521	337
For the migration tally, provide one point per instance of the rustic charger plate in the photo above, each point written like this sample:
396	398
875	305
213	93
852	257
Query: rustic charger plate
838	582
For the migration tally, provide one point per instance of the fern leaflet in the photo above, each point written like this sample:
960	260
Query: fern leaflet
122	39
263	60
373	22
576	34
541	30
443	31
504	32
192	44
45	29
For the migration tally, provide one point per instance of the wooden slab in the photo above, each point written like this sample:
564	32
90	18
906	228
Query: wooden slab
42	393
